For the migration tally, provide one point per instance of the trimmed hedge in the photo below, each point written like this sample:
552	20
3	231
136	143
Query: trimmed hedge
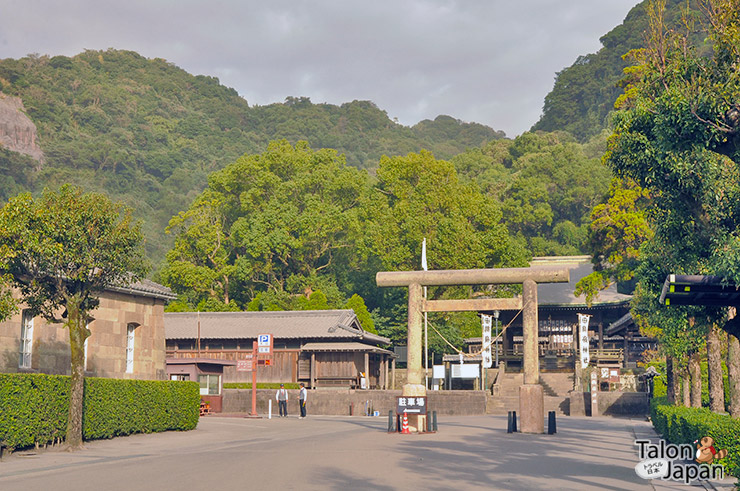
260	385
679	425
121	407
34	408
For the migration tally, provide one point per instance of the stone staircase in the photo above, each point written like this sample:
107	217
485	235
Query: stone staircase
506	393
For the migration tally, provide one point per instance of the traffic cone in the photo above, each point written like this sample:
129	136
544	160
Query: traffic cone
405	426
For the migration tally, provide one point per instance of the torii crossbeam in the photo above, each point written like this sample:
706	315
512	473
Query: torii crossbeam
531	395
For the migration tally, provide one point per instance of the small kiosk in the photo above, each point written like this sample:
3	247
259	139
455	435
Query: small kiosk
208	372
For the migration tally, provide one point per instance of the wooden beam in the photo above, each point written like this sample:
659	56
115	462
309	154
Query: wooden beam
472	305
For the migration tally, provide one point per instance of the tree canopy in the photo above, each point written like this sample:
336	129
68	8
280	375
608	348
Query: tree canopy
61	250
583	96
148	133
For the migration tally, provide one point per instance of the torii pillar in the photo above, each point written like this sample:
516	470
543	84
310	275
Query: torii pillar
531	394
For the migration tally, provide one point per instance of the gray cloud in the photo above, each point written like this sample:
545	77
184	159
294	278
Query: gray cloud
489	61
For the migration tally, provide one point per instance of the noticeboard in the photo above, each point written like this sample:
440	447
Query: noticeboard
244	365
411	405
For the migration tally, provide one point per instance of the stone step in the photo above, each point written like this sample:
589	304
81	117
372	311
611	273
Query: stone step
502	405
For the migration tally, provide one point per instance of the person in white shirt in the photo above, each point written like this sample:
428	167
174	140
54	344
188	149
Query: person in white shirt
282	397
302	396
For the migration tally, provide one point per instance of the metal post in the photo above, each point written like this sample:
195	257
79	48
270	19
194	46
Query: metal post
551	429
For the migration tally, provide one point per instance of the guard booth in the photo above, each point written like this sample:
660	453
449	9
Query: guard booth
208	372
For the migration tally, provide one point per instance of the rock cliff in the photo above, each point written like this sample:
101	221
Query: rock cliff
17	131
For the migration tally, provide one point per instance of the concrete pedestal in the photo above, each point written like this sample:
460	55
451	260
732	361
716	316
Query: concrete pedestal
417	422
532	408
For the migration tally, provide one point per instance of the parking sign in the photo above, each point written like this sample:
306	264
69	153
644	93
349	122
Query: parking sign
264	344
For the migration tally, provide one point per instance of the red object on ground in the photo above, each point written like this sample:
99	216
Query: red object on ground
405	426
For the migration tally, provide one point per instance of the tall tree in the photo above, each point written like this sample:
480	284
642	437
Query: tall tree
280	221
417	197
678	136
62	250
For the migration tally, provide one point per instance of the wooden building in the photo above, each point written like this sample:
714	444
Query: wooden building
318	347
127	339
613	337
208	372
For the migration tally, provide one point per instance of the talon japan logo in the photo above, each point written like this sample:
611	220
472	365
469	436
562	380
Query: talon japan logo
685	463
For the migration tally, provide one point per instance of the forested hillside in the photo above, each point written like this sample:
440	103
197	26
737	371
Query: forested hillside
584	93
297	205
148	133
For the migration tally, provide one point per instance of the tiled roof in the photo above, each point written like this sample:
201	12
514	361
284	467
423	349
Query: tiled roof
345	346
301	324
146	288
563	294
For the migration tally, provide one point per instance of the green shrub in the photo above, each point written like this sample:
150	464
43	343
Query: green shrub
121	407
679	425
266	385
34	408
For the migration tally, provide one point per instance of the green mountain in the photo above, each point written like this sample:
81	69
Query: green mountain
584	93
148	133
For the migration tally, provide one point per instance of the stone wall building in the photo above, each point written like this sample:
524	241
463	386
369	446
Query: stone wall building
127	339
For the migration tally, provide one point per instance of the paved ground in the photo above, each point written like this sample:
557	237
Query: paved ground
323	452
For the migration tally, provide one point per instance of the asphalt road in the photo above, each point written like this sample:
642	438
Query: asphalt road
325	452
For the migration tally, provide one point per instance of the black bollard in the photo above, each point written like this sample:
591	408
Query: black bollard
351	408
509	423
513	418
434	421
391	428
551	423
429	422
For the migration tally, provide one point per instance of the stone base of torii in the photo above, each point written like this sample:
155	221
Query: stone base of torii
531	394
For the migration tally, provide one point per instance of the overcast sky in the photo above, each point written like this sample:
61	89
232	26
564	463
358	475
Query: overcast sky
488	61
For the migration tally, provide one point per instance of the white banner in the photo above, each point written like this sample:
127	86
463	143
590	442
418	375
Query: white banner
486	323
583	338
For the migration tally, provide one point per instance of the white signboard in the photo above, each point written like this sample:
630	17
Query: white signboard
583	338
438	371
467	370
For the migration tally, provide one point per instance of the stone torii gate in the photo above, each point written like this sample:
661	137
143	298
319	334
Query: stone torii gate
531	394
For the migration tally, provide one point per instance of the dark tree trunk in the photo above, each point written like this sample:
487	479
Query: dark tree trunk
695	373
670	380
714	369
733	374
78	332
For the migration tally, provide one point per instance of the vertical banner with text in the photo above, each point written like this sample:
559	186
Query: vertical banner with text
583	339
486	323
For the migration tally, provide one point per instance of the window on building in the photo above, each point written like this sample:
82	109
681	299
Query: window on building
26	346
86	343
209	385
130	331
180	376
